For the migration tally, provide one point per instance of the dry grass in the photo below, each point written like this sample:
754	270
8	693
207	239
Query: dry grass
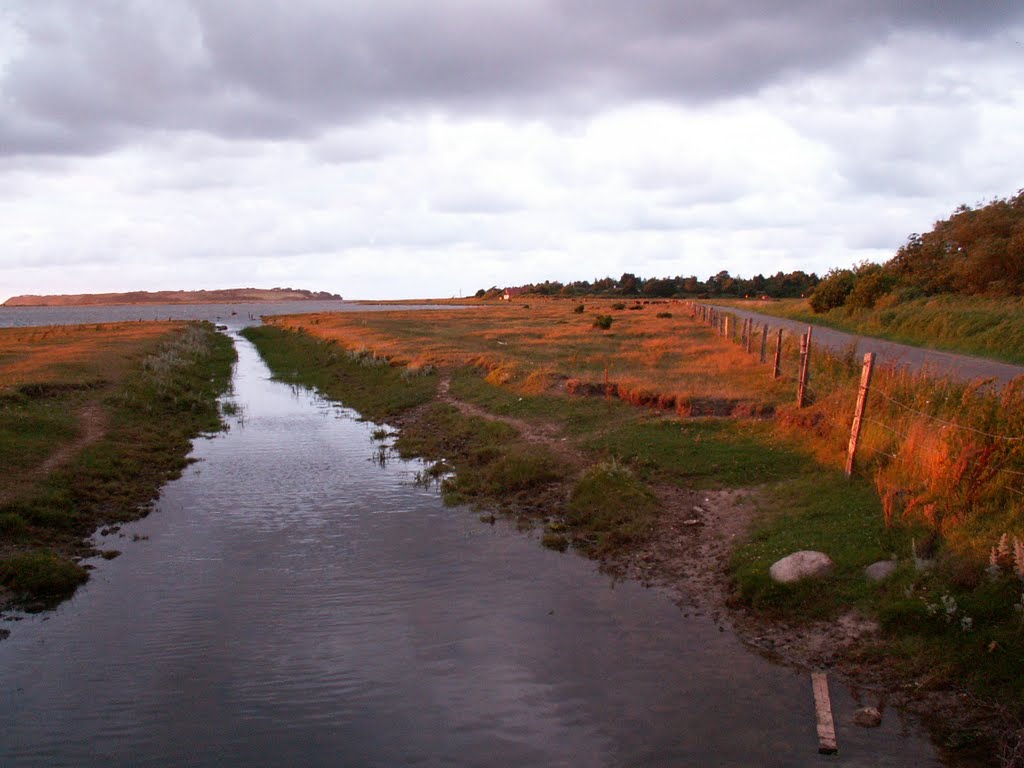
644	359
75	354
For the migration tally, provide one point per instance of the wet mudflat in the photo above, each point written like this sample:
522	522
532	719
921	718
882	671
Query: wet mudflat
294	602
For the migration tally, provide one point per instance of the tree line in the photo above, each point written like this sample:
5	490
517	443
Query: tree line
975	252
780	285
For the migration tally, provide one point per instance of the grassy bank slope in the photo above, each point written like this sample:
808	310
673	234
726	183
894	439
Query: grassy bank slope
93	420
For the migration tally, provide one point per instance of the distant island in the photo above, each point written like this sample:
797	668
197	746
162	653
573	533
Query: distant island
224	296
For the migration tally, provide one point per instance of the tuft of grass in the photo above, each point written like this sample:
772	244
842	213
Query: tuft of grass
609	509
41	574
604	322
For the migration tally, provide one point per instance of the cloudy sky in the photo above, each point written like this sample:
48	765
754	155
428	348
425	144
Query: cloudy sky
400	148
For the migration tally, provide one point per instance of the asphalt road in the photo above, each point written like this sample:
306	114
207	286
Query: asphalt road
957	366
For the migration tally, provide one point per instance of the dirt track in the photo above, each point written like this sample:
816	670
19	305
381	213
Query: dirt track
963	367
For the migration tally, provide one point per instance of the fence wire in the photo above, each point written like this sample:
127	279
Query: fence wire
894	401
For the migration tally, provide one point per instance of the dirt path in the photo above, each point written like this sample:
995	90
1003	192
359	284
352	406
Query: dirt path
92	422
962	367
542	434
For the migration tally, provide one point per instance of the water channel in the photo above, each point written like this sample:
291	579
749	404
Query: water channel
290	601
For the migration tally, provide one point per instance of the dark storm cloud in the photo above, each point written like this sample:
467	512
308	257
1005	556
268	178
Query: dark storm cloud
95	75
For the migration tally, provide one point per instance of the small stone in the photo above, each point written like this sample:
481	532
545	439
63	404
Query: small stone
800	565
867	717
694	521
881	570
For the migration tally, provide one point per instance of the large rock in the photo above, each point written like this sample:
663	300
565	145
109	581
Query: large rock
800	565
881	570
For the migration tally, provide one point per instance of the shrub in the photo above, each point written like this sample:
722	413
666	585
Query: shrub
604	322
870	285
832	291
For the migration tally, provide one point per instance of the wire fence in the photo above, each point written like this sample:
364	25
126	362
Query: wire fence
903	422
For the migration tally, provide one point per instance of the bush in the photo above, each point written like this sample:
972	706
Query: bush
604	322
870	284
832	291
578	309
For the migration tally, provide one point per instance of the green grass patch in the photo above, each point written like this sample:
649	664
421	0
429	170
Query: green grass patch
368	384
700	453
32	427
818	510
40	574
490	461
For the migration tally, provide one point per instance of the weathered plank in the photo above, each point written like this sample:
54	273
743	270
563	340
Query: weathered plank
823	714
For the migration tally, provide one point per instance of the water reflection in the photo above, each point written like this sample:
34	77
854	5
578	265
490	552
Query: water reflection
299	604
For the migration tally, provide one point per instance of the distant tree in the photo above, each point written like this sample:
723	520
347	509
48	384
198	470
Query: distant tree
659	287
628	284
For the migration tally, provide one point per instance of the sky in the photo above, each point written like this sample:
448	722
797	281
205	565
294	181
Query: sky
408	149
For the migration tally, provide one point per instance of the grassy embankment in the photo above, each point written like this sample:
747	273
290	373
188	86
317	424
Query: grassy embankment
970	325
93	420
923	482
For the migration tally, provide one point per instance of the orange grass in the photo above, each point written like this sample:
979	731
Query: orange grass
75	353
650	360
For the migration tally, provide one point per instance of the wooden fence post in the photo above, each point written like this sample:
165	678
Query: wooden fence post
778	355
805	367
800	372
725	326
764	342
858	414
750	334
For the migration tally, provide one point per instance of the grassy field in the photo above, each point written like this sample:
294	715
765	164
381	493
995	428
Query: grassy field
532	408
93	420
992	328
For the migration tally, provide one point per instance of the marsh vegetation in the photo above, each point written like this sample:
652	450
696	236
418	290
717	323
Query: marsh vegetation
93	420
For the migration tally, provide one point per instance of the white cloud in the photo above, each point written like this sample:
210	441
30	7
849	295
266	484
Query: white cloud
138	154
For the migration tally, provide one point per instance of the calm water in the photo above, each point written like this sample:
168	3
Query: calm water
233	315
296	603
